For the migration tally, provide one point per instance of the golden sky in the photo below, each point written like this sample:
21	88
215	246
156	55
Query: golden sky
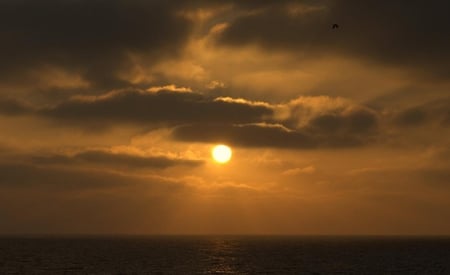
109	111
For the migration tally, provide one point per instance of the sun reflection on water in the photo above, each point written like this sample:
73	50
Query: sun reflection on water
223	256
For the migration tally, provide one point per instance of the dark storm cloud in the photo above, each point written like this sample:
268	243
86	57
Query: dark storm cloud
115	160
92	38
413	33
135	106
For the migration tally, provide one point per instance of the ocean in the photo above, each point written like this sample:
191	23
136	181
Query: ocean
224	255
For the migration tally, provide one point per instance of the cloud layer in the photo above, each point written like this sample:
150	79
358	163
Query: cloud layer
109	111
161	107
411	35
95	39
302	123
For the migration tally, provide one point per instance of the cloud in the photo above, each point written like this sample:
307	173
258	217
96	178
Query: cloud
93	38
56	199
411	117
114	160
306	122
436	112
91	170
17	174
417	40
268	135
323	121
13	107
299	171
402	178
350	121
160	107
246	135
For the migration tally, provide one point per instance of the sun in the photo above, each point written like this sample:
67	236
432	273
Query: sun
221	153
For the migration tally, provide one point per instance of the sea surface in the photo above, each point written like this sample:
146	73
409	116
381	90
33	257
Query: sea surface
224	255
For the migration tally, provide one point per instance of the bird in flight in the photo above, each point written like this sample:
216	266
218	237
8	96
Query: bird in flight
335	26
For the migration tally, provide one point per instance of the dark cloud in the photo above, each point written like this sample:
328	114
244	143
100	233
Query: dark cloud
92	38
436	112
251	135
200	118
276	136
412	34
58	178
12	107
353	121
312	122
411	117
156	107
308	126
115	160
25	175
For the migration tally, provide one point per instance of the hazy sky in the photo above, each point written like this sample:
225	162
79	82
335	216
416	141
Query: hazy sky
109	110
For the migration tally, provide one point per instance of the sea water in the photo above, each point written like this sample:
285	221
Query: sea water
224	255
